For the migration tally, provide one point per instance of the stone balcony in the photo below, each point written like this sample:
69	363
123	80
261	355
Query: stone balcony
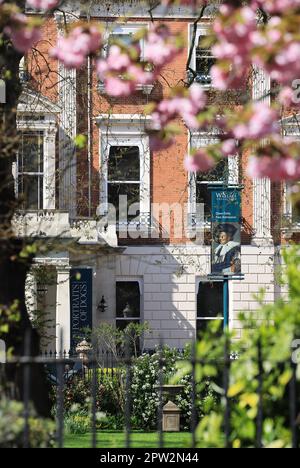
55	224
47	223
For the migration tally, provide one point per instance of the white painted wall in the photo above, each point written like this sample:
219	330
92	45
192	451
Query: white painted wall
170	276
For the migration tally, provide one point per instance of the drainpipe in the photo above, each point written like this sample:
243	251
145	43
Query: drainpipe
226	302
89	142
87	9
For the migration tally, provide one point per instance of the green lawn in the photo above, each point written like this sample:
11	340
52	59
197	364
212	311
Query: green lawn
108	439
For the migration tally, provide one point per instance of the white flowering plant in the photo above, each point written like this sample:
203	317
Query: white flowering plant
145	396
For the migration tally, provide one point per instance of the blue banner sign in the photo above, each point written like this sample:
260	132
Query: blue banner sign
226	231
81	297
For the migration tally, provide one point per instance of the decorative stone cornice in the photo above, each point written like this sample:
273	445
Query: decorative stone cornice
33	102
136	122
132	9
145	89
65	18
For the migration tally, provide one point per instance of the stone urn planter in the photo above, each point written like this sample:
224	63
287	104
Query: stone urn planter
171	412
83	349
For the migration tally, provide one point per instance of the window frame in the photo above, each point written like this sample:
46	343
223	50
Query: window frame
288	207
140	319
30	122
124	29
205	279
207	183
125	130
202	30
202	140
124	182
40	175
290	128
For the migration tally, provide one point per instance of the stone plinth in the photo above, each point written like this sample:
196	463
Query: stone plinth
171	417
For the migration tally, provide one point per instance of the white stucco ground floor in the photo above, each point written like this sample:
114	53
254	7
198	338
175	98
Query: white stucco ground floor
166	286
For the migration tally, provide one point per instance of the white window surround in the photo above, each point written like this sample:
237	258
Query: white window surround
30	179
290	128
288	209
140	281
132	279
124	130
67	97
202	30
37	113
47	125
126	29
204	279
202	140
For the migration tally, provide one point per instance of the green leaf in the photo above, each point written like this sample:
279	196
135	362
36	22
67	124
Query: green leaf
236	389
80	141
285	378
4	328
249	399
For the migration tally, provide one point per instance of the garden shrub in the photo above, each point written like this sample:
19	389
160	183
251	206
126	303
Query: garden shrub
109	422
41	431
78	391
110	397
77	423
145	398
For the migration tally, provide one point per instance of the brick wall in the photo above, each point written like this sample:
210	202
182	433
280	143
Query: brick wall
169	181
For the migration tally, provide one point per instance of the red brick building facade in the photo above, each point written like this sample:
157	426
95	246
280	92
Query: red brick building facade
153	275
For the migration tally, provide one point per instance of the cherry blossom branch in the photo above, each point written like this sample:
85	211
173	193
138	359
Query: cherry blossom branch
195	25
151	9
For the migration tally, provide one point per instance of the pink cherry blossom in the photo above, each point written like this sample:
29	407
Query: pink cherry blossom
241	43
277	6
283	65
192	105
233	32
226	79
275	168
160	46
73	50
117	87
43	4
228	147
263	122
120	73
22	34
199	162
166	110
186	107
276	51
220	78
287	97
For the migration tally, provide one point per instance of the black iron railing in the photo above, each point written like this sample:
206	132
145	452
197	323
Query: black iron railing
94	373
